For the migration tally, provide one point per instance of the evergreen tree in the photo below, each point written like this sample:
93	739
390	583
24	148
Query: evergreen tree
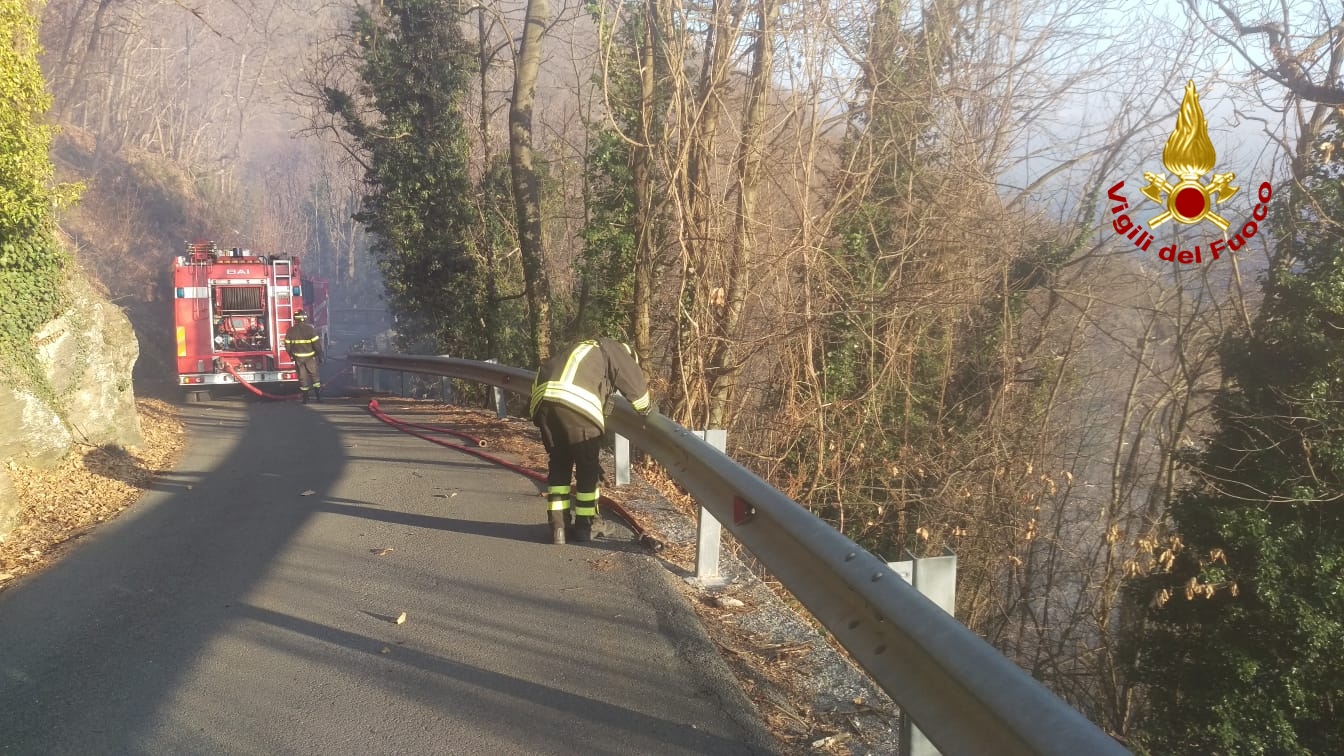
607	266
415	73
508	336
1241	632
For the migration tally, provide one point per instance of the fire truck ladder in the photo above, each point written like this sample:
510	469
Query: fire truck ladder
201	304
283	288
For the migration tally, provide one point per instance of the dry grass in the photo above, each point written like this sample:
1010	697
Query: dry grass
770	672
91	485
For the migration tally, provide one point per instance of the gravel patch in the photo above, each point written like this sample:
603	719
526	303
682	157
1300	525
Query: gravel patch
813	696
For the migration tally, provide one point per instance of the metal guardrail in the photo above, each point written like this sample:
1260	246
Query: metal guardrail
964	695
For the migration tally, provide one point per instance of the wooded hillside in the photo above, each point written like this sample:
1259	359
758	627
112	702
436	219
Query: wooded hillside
872	240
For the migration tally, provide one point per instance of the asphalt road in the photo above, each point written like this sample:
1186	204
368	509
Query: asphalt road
228	612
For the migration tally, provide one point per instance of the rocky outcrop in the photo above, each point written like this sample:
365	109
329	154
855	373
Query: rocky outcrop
31	432
87	354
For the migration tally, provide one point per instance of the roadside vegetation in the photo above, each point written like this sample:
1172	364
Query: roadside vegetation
872	241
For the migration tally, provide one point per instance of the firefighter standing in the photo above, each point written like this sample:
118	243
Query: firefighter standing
305	346
568	404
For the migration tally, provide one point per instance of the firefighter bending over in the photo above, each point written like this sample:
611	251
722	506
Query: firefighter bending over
569	401
305	346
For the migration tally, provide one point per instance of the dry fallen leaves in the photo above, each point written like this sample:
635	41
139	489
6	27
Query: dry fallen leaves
91	485
604	564
401	618
728	602
831	740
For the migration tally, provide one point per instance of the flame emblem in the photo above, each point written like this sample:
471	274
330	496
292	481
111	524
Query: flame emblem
1189	155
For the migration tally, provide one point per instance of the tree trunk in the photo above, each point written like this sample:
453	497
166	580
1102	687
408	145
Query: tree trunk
526	182
725	363
699	237
642	174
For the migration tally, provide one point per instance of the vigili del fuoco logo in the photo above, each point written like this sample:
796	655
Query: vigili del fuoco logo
1189	155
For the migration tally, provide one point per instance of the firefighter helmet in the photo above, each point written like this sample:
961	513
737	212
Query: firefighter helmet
300	315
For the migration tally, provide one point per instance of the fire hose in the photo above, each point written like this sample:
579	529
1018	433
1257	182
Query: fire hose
412	429
277	397
245	384
614	507
373	407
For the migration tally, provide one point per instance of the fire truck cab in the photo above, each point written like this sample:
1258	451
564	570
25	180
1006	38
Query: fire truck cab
232	309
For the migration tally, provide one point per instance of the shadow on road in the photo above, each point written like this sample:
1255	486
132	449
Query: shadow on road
101	646
188	545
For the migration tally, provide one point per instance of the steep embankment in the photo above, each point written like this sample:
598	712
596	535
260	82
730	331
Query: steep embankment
136	212
112	341
85	356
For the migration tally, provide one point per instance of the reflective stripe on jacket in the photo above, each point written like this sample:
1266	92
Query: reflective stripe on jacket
583	377
302	340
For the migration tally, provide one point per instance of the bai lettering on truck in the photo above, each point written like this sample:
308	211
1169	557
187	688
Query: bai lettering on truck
231	310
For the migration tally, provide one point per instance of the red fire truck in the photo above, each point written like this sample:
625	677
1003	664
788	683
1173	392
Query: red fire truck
316	302
232	310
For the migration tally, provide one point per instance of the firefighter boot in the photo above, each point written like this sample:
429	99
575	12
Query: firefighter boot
317	393
583	528
556	518
304	394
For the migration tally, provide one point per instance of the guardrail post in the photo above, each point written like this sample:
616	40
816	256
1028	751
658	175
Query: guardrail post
936	578
709	532
622	460
446	393
968	696
501	409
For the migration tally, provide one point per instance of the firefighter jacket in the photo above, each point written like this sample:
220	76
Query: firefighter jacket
302	341
583	377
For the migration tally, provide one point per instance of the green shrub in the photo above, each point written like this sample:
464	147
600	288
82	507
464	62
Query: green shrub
31	262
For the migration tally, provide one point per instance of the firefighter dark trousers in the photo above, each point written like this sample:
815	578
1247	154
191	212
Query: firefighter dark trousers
308	375
568	460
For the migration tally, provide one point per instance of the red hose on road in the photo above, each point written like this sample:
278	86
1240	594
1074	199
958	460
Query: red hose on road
229	369
405	427
432	428
613	506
